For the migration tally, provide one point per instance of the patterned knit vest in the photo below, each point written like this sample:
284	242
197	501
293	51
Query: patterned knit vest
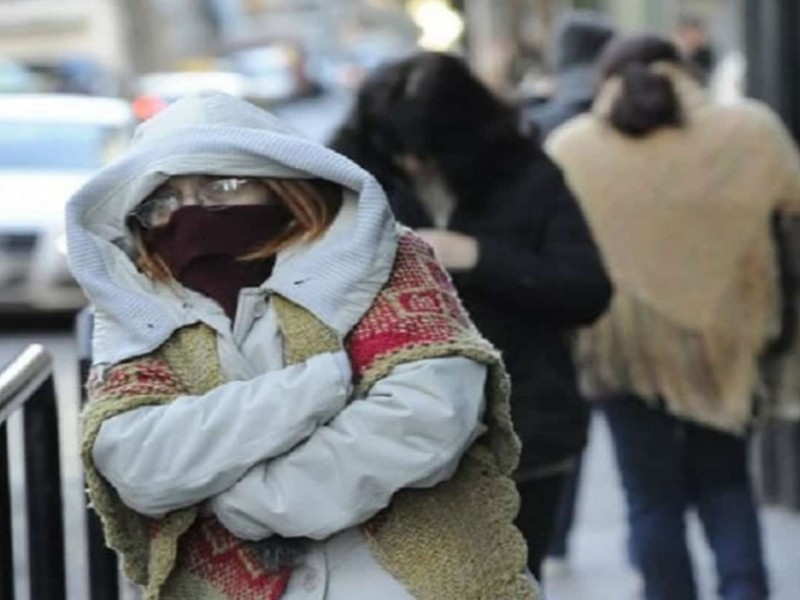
455	541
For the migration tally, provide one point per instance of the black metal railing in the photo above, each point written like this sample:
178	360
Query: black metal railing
26	385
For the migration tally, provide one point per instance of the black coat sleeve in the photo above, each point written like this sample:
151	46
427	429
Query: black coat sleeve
557	279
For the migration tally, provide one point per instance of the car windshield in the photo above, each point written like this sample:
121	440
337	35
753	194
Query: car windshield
58	146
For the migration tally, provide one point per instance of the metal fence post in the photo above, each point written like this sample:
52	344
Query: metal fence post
6	547
45	507
26	385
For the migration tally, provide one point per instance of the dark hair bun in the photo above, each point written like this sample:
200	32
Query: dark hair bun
647	102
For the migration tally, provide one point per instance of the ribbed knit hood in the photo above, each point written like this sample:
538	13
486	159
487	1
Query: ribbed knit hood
216	134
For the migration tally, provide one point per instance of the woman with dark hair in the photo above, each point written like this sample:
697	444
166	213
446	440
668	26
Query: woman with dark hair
498	214
681	195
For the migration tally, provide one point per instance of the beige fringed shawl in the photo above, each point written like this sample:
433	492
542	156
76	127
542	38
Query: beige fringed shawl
682	218
455	541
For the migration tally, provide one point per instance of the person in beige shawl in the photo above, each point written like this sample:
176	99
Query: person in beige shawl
680	194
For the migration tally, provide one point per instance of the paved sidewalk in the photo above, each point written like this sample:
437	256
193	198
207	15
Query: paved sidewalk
598	570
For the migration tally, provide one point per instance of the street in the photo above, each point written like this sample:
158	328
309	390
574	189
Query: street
599	568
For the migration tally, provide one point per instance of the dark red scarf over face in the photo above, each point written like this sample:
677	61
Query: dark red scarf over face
201	248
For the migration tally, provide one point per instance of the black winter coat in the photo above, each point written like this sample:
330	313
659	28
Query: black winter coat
538	276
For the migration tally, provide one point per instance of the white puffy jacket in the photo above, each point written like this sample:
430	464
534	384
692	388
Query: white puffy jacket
276	449
317	469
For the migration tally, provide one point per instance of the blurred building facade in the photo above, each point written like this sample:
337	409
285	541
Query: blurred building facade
45	30
502	32
774	55
773	75
155	35
140	36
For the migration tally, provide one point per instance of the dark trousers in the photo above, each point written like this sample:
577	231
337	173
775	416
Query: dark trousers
565	515
667	466
539	501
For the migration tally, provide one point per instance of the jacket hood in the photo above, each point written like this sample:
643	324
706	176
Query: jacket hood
217	134
580	38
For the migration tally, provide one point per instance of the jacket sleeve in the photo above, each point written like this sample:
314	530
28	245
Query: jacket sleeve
561	280
409	431
161	458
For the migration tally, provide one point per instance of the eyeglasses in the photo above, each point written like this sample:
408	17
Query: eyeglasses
212	193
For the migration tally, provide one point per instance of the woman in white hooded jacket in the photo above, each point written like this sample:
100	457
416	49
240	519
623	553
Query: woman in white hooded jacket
287	399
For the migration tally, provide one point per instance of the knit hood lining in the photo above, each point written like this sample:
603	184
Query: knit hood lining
134	316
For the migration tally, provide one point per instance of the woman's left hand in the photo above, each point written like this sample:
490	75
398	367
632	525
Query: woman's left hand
456	251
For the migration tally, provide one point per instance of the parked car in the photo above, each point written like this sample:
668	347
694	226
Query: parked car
154	91
264	75
17	78
276	70
171	85
49	146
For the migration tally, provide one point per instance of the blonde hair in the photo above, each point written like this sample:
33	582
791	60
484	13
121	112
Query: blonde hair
313	203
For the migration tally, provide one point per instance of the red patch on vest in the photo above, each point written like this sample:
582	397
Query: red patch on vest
417	306
231	567
149	376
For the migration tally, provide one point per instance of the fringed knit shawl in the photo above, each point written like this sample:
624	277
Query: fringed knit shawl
455	541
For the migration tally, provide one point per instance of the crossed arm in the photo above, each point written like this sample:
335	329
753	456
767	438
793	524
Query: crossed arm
283	453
